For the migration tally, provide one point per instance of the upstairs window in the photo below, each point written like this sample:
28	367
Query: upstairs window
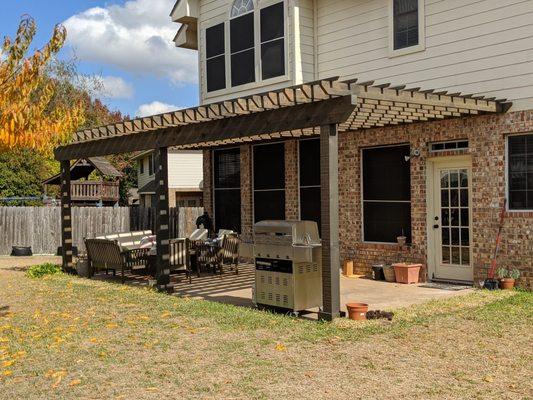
141	166
151	164
272	41
215	58
520	172
242	47
407	26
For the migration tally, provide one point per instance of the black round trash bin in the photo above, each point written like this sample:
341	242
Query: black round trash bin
21	251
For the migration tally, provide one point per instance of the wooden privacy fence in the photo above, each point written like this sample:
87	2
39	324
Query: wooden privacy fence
40	227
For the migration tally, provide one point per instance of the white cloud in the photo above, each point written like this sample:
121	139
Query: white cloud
134	37
155	107
114	87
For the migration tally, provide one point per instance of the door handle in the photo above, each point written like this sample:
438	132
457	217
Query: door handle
435	226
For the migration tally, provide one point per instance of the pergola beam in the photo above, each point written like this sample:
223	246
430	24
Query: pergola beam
301	116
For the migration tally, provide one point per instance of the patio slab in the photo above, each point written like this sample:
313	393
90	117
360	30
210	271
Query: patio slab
235	289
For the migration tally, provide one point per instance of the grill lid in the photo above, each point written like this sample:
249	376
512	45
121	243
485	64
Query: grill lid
302	232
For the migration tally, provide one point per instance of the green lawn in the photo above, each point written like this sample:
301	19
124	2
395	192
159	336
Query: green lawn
65	337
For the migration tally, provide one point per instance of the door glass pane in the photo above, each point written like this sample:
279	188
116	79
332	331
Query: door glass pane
445	235
445	202
464	217
454	217
464	197
464	178
455	236
455	255
454	179
445	255
454	197
465	256
445	217
465	237
444	179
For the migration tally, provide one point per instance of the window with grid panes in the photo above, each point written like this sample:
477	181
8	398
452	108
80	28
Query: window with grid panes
520	171
269	182
405	23
309	171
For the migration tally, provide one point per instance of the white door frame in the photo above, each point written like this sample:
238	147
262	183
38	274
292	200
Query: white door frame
431	165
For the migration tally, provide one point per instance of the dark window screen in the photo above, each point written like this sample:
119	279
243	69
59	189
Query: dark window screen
215	58
242	33
273	58
405	23
272	41
309	167
520	172
214	38
242	50
216	73
386	194
243	67
141	165
269	182
227	182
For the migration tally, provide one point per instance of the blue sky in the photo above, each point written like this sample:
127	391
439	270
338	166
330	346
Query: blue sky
128	44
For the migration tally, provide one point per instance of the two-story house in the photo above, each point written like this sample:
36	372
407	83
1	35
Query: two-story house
440	183
185	177
377	118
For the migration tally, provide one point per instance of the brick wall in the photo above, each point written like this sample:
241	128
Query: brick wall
486	135
291	180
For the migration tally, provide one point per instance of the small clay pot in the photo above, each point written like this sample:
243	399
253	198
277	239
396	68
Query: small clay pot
357	311
507	283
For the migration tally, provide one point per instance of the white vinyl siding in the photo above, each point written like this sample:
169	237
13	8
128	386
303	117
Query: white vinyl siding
144	178
185	169
480	47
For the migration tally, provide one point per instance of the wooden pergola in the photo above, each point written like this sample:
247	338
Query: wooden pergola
322	108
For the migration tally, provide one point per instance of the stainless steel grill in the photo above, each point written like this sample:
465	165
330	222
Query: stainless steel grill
288	260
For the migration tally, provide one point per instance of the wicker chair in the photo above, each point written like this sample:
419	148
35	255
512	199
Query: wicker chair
180	260
107	254
218	257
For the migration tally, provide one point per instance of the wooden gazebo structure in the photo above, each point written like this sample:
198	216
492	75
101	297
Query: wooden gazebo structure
322	108
85	192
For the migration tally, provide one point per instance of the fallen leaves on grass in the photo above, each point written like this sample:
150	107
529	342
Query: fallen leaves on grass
280	347
74	382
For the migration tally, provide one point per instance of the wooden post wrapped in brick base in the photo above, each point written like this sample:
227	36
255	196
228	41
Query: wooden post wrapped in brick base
329	178
66	218
162	220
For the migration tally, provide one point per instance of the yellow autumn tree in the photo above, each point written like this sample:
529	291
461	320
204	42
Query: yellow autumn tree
28	118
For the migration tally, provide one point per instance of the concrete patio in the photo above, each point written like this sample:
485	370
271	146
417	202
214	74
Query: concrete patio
237	289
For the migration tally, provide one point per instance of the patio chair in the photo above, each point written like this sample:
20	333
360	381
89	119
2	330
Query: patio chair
180	260
107	254
218	257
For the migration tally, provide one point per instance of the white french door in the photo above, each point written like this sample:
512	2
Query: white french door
451	222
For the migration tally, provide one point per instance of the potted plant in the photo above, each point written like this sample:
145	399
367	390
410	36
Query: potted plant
388	273
407	272
508	277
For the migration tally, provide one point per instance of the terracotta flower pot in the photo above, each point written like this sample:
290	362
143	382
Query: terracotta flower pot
388	273
507	283
407	273
357	311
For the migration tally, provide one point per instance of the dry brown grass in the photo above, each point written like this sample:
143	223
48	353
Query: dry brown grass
71	338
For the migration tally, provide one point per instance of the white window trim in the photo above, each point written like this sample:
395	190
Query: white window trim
259	82
362	202
421	46
506	156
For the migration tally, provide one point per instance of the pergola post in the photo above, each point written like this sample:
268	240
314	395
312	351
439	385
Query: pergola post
329	178
66	217
162	222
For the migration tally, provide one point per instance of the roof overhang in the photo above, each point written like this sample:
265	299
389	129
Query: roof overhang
286	113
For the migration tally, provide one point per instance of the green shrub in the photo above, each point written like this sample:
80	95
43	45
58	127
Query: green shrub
38	271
